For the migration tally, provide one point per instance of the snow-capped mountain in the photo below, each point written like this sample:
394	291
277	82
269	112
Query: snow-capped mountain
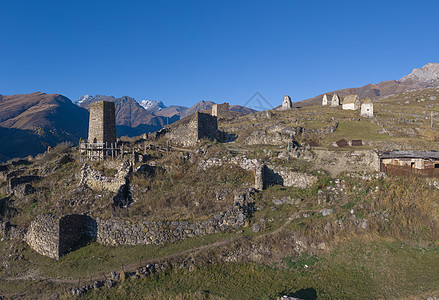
83	99
152	105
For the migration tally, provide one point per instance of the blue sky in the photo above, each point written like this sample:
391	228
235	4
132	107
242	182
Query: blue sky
182	52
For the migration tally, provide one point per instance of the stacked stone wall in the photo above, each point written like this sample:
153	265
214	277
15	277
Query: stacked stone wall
54	236
184	134
221	111
96	181
339	161
116	231
207	126
75	231
43	235
284	176
190	132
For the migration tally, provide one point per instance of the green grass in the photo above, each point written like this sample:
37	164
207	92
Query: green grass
360	268
95	259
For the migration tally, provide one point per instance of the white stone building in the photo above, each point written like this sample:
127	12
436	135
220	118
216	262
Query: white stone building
325	100
351	102
335	101
286	103
367	108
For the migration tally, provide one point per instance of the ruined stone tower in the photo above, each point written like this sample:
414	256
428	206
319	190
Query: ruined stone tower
102	125
221	111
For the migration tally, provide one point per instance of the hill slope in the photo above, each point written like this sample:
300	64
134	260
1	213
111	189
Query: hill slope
427	76
31	122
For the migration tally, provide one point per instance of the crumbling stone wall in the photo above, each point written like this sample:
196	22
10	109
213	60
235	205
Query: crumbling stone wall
116	231
207	126
189	132
43	235
102	123
339	161
54	236
221	111
75	231
260	177
96	181
284	176
264	174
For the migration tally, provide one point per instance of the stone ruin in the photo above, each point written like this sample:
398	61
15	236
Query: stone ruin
325	100
189	131
54	236
221	111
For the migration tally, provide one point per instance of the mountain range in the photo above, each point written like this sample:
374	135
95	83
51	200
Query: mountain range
30	123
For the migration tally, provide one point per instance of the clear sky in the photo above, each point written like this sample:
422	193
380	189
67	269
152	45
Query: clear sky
182	52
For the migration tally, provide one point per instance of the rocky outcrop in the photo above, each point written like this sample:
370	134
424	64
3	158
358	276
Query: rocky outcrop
428	75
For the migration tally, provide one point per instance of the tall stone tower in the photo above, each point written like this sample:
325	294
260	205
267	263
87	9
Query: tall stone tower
102	125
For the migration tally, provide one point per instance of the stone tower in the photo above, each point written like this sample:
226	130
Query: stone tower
287	104
325	100
102	124
221	111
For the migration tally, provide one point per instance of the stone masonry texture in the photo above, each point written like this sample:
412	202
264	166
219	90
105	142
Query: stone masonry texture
102	125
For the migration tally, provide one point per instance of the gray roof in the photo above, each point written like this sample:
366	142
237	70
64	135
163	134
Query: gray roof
409	154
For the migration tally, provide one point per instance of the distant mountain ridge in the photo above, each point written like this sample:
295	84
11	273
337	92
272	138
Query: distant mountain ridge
29	123
130	113
32	122
427	76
